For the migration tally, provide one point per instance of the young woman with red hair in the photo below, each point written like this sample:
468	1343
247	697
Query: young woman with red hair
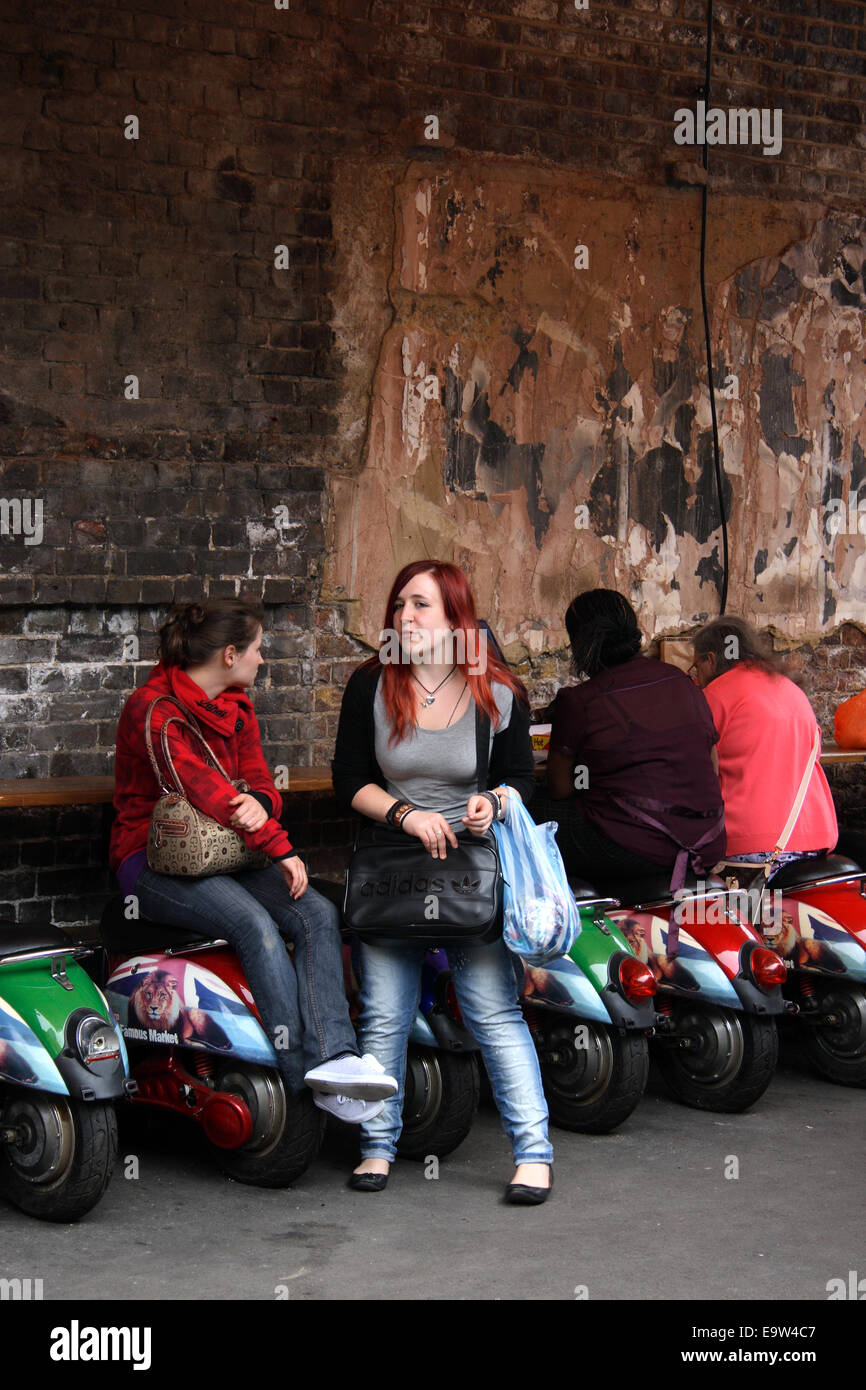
432	718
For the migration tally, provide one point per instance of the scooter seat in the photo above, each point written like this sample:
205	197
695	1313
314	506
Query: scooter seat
801	872
14	939
651	888
123	936
584	892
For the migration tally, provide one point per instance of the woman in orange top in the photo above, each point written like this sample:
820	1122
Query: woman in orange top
766	729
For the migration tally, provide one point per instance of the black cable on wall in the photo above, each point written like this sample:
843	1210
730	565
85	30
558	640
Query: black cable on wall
708	345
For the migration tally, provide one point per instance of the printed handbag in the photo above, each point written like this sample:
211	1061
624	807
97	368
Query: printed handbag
182	840
396	890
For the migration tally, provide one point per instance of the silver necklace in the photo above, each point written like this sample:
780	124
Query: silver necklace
430	695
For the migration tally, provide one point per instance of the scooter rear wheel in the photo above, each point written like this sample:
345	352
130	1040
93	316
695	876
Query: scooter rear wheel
440	1101
287	1130
730	1060
593	1075
837	1050
61	1162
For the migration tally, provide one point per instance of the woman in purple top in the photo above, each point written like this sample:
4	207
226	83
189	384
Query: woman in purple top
632	751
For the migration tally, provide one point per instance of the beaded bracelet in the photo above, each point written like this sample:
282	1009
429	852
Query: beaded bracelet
397	813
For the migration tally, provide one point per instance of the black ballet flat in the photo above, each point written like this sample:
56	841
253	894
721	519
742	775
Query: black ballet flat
368	1182
520	1194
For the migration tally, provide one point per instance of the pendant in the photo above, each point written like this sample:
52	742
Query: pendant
430	700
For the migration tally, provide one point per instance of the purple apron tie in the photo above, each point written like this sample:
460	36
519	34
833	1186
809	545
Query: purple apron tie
688	855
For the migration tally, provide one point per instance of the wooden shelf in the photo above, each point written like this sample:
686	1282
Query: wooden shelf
88	791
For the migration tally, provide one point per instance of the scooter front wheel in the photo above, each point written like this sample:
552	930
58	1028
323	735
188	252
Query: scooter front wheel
836	1048
718	1059
440	1101
59	1154
593	1075
287	1130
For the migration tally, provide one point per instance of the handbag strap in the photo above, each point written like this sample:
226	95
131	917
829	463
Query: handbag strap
762	873
187	723
482	747
801	794
773	862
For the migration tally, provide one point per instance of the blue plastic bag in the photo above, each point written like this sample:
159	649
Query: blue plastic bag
540	917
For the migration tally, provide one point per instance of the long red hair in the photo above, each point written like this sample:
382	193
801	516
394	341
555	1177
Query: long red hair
460	615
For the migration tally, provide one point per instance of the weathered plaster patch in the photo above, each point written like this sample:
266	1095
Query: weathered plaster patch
530	388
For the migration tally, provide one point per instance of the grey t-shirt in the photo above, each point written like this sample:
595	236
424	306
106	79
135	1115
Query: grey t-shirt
435	769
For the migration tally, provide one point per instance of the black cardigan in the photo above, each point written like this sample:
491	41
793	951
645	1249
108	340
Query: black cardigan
354	763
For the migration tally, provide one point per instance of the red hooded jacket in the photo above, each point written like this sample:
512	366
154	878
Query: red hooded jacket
230	726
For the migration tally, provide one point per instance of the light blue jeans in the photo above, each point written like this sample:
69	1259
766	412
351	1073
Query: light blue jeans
487	993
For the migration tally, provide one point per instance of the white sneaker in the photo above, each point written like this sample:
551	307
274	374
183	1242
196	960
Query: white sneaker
352	1112
359	1078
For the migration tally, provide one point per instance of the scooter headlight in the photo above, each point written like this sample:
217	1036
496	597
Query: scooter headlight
95	1040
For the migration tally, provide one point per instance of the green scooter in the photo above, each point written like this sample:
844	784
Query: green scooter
590	1014
63	1064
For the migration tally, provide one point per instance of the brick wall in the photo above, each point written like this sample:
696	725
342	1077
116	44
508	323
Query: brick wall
155	256
54	860
831	672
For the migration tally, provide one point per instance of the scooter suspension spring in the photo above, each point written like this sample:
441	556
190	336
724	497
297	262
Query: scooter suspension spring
202	1066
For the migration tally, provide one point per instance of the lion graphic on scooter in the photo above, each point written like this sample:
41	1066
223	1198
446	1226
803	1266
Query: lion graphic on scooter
156	1003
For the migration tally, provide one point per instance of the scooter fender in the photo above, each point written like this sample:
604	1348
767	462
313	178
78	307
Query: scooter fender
561	985
597	952
822	930
422	1033
692	973
24	1060
45	1002
178	1001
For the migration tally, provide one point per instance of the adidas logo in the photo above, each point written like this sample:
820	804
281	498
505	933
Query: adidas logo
466	884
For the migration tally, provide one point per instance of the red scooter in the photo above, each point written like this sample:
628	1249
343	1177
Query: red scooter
719	989
197	1048
817	929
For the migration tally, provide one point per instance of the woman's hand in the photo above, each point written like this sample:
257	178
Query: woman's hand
294	871
432	829
479	811
248	814
479	814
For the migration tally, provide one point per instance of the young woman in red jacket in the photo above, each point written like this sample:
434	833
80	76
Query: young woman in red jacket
209	653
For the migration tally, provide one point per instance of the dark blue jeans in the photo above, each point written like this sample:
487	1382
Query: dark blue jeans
255	912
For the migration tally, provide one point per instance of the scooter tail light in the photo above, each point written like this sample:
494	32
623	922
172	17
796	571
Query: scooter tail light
637	980
767	969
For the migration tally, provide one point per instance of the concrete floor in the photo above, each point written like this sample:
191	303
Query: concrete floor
644	1213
